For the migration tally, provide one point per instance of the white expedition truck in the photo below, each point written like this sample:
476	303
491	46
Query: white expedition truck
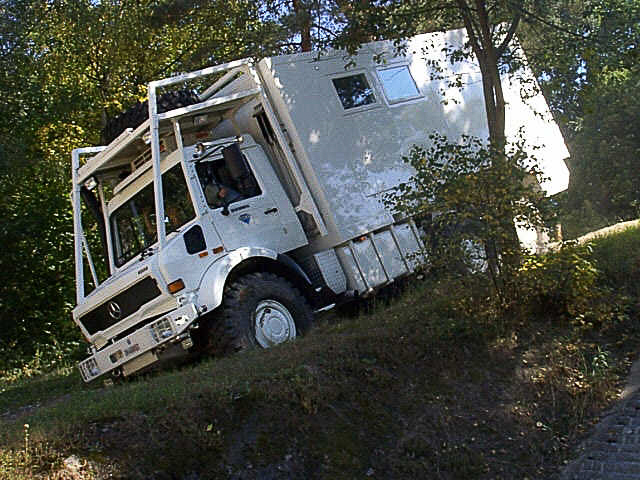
227	223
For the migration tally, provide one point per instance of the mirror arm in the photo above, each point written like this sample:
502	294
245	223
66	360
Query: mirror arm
225	208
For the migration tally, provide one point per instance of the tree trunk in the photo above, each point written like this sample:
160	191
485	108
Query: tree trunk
303	18
502	248
487	55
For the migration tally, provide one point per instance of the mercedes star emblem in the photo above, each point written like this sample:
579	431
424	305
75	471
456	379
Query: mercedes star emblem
115	311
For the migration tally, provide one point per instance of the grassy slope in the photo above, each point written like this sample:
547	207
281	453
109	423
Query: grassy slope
425	388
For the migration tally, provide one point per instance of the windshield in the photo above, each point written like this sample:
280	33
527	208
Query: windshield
133	224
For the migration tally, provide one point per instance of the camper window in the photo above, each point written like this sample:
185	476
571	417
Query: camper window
398	84
354	91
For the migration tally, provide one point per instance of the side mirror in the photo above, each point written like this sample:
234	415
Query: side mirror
235	161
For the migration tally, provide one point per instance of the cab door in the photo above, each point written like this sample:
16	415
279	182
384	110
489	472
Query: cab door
257	212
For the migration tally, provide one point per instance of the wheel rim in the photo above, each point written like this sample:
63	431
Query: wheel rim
273	323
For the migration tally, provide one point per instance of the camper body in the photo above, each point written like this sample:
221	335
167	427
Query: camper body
269	191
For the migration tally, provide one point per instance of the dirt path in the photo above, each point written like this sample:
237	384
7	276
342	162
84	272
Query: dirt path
612	452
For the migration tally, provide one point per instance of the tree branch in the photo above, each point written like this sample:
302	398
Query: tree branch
465	11
538	18
510	34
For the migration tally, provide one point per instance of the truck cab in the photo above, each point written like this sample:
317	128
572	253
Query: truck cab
222	201
167	219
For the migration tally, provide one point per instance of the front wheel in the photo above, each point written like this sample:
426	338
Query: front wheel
260	309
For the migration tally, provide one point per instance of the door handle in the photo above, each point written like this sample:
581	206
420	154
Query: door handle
271	210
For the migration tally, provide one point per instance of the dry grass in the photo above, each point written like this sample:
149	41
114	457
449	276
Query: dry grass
435	385
410	389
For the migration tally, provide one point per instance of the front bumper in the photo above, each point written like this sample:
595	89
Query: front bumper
136	350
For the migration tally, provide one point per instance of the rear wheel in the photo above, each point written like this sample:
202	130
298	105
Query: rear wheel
260	310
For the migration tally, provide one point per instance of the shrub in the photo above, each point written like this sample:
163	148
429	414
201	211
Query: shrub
48	356
470	195
618	259
561	283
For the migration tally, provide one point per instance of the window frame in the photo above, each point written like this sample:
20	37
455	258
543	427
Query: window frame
220	158
406	66
372	85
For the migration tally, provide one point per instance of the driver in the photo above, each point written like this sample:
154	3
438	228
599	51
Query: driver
218	195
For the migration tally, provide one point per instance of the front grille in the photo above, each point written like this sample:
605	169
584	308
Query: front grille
121	306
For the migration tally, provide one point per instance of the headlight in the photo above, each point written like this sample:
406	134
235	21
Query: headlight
89	368
161	330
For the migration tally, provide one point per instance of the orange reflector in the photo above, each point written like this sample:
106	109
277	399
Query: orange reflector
176	286
218	249
203	254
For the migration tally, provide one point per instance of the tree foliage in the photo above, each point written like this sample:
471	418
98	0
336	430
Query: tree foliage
64	68
587	58
470	200
314	24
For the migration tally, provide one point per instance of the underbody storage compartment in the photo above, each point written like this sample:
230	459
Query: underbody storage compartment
376	259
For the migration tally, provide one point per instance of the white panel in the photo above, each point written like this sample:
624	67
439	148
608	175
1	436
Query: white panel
371	266
348	156
351	269
390	255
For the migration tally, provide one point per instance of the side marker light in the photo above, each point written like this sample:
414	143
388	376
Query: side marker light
176	286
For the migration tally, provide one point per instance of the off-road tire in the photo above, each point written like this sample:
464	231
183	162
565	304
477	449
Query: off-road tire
139	112
234	328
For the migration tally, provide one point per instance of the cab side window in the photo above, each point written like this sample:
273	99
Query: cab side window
220	187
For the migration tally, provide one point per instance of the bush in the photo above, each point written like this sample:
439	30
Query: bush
618	260
471	194
589	284
49	356
562	283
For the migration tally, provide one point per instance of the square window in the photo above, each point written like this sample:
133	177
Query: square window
398	84
354	91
